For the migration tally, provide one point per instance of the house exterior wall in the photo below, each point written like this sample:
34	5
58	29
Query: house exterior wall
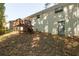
71	20
48	21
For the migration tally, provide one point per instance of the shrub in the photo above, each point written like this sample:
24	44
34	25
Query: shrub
8	31
2	31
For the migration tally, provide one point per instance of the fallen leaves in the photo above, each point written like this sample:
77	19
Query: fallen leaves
36	44
74	44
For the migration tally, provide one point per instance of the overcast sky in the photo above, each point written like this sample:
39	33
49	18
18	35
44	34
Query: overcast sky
21	10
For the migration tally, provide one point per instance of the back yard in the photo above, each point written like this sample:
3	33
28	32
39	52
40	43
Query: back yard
37	44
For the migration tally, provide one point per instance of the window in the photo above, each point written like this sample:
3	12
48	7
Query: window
38	16
60	9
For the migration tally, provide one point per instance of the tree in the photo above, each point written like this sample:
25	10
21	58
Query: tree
2	18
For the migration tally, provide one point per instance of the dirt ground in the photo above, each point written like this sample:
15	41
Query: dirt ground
38	44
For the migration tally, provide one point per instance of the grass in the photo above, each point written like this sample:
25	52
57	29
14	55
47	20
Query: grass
3	37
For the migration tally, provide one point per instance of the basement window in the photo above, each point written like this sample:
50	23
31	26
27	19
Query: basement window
38	16
60	9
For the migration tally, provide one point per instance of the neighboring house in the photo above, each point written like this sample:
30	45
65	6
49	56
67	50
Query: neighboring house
16	24
61	19
21	25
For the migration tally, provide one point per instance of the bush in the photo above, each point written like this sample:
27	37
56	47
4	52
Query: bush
8	31
2	31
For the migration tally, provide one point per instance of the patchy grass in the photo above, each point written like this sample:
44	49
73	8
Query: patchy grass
3	37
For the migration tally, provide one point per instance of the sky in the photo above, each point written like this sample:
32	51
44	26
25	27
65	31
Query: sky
21	10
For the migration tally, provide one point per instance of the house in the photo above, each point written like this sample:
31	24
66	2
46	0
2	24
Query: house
16	25
61	19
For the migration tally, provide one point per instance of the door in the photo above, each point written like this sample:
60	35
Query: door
61	27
